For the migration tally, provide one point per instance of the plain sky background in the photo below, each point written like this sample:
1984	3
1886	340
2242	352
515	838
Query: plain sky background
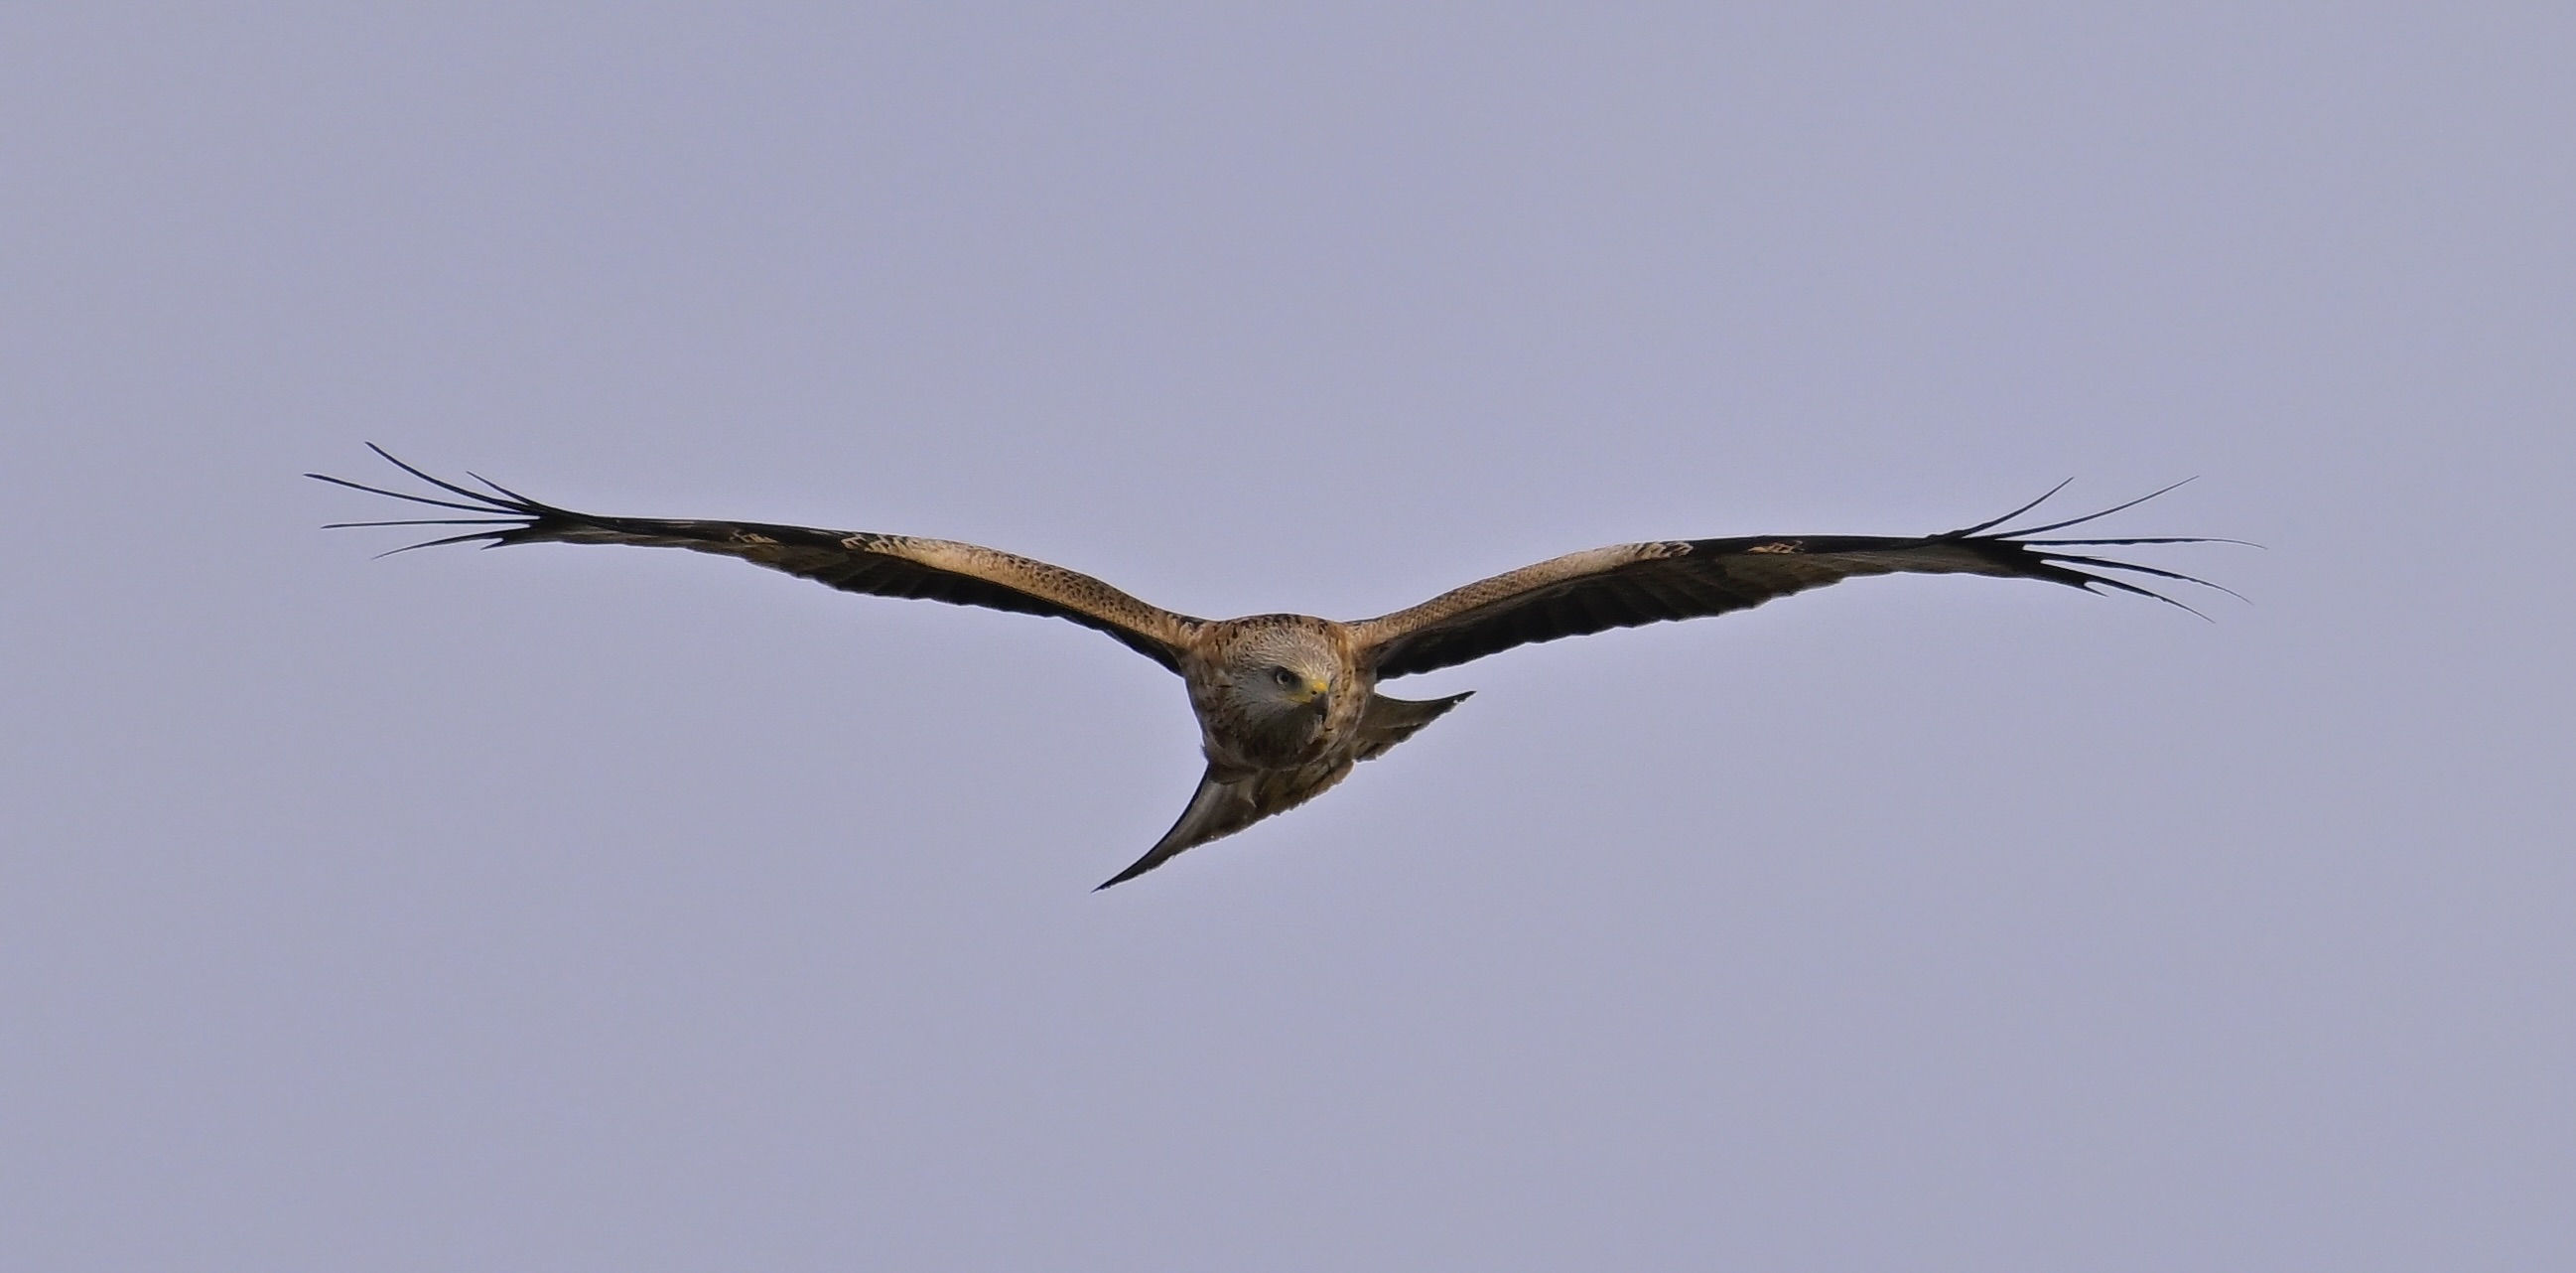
568	908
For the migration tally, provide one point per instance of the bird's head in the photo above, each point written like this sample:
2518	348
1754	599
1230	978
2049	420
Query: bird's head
1283	679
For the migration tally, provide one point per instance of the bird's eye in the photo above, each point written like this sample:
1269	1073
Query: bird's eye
1283	676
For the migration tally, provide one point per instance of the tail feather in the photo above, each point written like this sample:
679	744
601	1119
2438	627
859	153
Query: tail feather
1224	805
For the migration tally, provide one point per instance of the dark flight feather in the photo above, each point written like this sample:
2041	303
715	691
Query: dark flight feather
1633	584
853	561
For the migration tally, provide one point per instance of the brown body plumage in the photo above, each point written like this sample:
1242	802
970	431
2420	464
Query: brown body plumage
1288	703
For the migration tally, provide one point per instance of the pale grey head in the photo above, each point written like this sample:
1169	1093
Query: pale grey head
1279	679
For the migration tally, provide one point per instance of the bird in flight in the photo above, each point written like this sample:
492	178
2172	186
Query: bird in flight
1288	703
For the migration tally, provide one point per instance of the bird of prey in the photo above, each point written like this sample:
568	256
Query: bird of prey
1288	703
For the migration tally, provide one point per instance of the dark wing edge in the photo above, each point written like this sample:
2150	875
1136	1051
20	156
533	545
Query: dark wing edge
852	561
1631	584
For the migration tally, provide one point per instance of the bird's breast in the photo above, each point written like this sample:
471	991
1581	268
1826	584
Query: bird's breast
1234	739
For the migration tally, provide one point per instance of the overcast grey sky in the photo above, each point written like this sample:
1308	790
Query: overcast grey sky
569	908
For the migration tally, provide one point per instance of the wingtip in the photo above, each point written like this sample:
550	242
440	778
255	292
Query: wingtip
1990	524
2028	531
509	511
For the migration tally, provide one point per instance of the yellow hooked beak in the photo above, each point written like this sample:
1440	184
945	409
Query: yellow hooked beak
1316	694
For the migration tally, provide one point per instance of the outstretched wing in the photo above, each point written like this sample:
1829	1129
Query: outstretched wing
1631	584
853	561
